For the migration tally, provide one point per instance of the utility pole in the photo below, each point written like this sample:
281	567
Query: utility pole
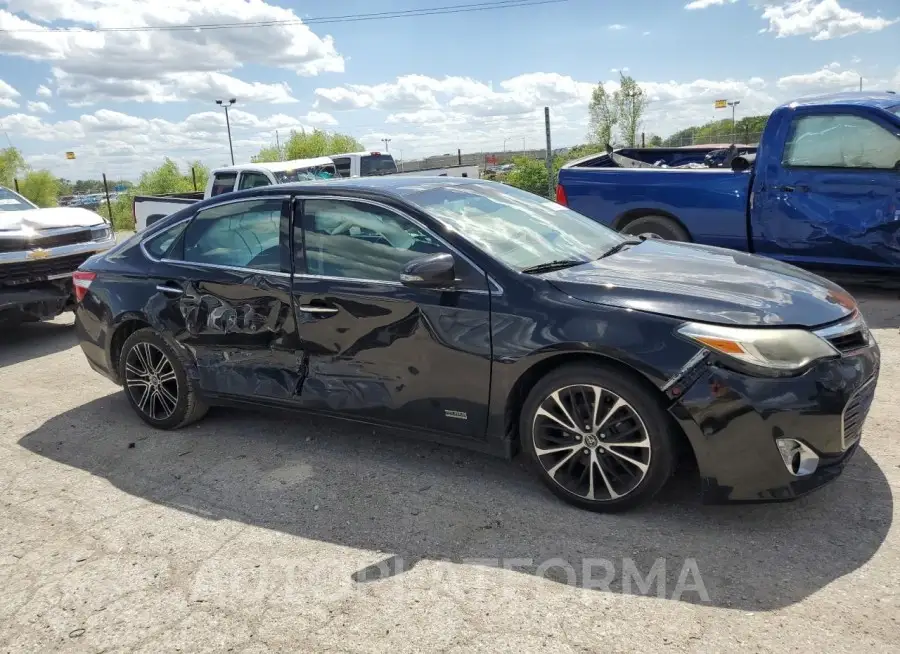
550	183
733	124
278	146
387	147
860	83
221	103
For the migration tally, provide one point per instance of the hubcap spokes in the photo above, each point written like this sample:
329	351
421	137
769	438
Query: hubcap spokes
591	442
151	381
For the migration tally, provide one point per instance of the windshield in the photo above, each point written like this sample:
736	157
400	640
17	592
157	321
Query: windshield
896	109
325	171
376	164
520	229
10	201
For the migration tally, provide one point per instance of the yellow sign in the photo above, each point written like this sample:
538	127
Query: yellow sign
721	104
70	155
40	253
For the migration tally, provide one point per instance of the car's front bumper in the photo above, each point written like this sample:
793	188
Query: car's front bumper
734	421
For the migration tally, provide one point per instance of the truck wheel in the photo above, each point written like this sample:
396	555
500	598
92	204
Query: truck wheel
659	225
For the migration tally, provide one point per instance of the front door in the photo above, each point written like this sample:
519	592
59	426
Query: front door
227	283
375	348
836	196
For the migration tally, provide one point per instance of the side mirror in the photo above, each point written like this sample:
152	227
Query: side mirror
430	271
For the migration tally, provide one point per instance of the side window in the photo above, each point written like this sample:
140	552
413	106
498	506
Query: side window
223	183
342	164
241	234
159	245
252	180
841	141
361	241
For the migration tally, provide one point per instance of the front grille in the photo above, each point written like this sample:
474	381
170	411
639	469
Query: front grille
8	244
22	272
855	414
849	342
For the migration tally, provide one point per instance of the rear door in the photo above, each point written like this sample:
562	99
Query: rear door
377	349
225	288
836	196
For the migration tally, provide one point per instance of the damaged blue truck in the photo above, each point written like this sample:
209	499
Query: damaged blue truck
821	190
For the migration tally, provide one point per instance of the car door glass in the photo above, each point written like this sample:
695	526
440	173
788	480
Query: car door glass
361	241
342	165
841	141
253	180
239	234
160	244
223	183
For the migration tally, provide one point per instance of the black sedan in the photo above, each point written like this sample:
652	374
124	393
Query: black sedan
476	314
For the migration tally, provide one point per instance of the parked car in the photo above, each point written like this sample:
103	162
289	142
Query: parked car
821	191
39	251
477	314
150	208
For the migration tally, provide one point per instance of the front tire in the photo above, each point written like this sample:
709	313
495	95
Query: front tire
156	383
597	438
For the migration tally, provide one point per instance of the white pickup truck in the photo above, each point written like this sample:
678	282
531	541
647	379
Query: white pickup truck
39	251
148	209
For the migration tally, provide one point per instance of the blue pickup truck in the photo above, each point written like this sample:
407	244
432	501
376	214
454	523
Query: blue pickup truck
821	190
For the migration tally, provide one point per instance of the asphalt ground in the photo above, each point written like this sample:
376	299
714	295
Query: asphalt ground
273	532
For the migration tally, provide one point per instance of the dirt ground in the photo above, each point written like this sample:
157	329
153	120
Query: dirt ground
280	533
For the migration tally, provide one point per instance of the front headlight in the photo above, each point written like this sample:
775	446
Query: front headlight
100	233
784	350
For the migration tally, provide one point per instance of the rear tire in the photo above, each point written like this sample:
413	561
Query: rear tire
661	226
156	382
597	438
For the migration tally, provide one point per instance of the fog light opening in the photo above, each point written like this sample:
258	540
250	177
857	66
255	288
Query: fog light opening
799	459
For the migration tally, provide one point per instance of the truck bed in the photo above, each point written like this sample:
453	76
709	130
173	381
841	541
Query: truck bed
711	204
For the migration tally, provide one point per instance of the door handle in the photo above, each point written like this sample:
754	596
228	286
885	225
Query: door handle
169	290
317	309
800	188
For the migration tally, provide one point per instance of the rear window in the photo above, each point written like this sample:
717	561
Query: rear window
326	171
10	201
342	165
376	164
223	183
158	246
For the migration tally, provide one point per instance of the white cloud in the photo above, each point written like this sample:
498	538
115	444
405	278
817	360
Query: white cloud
828	78
161	66
36	107
615	27
320	118
8	95
646	34
703	4
43	92
822	19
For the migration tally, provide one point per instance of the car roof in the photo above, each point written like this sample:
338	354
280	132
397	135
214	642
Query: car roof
397	185
884	100
279	166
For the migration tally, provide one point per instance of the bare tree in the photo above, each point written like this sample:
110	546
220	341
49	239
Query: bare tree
630	103
603	116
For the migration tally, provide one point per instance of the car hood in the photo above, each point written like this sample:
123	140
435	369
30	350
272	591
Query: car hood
706	284
48	218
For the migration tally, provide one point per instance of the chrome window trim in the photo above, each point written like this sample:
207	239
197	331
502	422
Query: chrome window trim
498	290
217	266
378	282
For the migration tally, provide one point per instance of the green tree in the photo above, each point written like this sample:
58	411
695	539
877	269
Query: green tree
200	172
602	116
12	166
41	187
306	145
655	141
529	175
64	185
630	106
747	130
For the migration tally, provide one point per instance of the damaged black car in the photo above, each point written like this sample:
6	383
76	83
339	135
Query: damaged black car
475	314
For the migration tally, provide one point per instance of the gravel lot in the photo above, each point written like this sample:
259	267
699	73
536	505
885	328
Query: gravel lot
280	533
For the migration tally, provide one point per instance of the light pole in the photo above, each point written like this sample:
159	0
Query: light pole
387	147
222	103
733	124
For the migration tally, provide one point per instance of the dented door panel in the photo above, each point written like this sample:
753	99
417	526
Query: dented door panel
391	353
241	328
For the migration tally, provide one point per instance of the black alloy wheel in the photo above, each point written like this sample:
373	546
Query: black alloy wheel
156	384
599	439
